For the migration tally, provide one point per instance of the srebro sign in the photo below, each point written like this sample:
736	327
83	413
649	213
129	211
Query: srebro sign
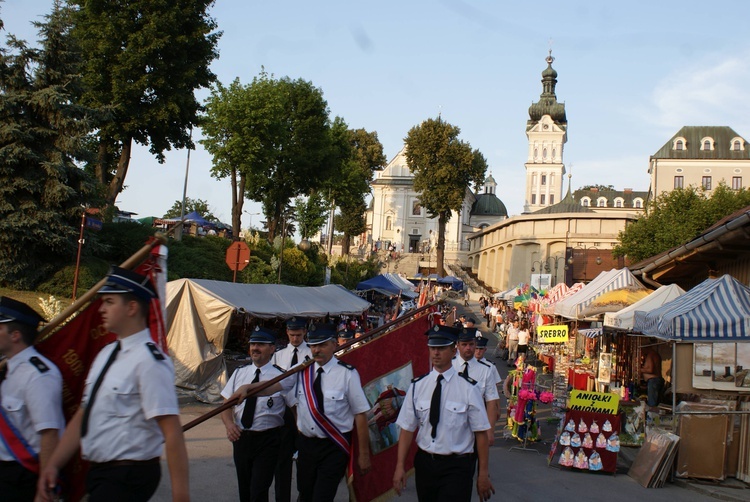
552	334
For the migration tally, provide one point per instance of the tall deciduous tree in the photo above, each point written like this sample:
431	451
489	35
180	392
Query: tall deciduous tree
200	206
444	168
42	134
272	139
144	59
674	218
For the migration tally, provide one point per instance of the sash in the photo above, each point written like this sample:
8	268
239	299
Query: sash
320	419
17	445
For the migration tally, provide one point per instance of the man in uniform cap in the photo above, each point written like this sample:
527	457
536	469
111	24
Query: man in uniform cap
344	336
329	399
255	425
31	400
466	364
448	411
479	353
296	352
129	407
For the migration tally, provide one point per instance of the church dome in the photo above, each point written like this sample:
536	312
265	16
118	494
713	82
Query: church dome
548	104
487	204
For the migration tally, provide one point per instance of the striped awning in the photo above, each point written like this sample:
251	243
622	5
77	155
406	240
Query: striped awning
716	310
590	333
573	306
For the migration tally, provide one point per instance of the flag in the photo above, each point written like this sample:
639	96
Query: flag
73	347
386	366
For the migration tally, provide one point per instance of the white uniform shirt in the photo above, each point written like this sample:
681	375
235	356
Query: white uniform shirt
493	370
482	373
31	398
343	398
269	410
462	413
137	388
283	357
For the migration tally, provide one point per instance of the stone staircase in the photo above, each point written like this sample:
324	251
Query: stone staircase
472	286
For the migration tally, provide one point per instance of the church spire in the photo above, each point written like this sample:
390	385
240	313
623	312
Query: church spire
547	104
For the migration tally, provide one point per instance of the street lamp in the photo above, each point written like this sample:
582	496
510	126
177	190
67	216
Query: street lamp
585	250
546	269
250	225
556	261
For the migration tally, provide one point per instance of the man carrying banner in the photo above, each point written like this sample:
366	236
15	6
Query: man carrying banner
296	352
254	426
129	407
330	401
447	409
31	415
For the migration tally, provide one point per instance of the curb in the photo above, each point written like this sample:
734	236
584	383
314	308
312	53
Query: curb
712	491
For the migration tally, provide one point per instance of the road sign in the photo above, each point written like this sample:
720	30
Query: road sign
238	256
93	223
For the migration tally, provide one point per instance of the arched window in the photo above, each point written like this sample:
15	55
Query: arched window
706	145
679	145
637	203
388	223
618	202
544	153
585	201
601	202
736	145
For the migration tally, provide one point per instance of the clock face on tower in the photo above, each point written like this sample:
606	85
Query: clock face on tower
545	126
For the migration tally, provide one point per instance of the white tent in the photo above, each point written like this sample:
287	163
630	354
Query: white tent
572	306
199	315
623	319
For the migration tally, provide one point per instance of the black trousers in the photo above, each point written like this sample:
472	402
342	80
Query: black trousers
443	478
17	484
123	481
320	466
255	457
283	474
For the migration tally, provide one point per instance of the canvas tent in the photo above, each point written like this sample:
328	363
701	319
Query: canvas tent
623	319
400	282
199	315
573	306
455	283
382	284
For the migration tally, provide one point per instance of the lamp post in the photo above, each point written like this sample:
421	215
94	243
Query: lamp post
542	265
556	261
250	224
585	249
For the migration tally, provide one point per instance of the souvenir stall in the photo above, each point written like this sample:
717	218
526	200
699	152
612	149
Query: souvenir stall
523	395
709	334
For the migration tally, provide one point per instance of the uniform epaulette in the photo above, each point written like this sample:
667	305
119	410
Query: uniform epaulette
482	362
417	379
155	351
279	368
346	365
468	379
307	358
39	364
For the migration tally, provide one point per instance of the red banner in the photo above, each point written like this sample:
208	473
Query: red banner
386	367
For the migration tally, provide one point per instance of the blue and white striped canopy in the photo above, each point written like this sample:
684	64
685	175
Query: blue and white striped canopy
716	310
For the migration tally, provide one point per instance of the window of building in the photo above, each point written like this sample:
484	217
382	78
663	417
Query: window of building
601	202
618	202
679	145
707	144
533	199
542	199
544	179
544	153
585	202
706	182
551	199
388	223
736	145
736	182
416	208
679	182
637	203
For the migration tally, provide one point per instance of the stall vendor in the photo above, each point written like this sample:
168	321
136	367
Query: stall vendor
651	372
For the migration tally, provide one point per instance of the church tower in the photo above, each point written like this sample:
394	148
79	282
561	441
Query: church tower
546	131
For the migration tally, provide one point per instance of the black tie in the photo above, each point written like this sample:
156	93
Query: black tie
435	406
97	384
294	357
249	412
317	387
465	372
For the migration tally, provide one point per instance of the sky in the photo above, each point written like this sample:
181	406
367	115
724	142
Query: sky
631	74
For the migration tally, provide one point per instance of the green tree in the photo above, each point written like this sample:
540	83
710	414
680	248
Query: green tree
675	218
271	138
444	168
42	133
601	188
144	59
200	206
311	213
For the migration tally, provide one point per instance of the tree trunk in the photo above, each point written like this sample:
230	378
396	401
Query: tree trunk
330	227
345	243
115	186
238	200
101	164
442	220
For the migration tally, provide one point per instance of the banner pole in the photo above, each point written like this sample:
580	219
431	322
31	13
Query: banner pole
267	383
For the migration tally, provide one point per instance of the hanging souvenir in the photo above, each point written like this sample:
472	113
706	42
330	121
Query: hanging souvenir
566	457
588	442
601	441
613	443
595	462
607	427
571	426
581	461
594	428
575	440
565	439
582	427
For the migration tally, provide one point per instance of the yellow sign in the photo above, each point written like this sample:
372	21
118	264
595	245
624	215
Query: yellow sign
594	402
552	334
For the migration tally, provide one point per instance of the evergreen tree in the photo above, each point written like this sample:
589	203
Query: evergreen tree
42	134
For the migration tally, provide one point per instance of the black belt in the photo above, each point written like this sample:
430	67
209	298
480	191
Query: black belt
123	463
436	456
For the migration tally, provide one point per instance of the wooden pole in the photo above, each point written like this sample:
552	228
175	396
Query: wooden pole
267	383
